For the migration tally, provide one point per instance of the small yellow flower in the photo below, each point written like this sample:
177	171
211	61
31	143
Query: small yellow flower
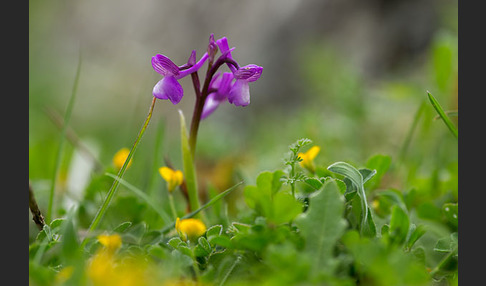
110	242
191	228
64	275
120	157
173	178
308	158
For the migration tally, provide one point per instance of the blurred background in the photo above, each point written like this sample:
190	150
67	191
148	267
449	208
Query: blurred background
350	75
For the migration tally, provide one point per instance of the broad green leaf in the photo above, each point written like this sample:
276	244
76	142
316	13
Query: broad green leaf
174	242
222	240
322	225
355	176
380	163
314	183
204	244
188	165
399	225
285	208
450	211
214	230
414	233
267	201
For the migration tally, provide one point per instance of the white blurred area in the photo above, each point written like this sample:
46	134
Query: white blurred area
79	173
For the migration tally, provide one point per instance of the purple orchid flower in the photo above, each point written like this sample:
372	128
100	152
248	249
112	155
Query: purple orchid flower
220	87
168	87
239	94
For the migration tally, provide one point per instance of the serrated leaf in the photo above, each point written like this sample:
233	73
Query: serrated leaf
322	225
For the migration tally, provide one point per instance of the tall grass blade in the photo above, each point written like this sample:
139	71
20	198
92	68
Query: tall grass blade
111	192
442	114
67	117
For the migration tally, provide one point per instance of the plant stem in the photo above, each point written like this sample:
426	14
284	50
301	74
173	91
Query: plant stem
172	206
36	213
111	192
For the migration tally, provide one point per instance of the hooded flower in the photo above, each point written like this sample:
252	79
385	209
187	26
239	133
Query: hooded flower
239	94
168	87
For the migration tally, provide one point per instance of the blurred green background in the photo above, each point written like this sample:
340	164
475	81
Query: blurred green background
352	76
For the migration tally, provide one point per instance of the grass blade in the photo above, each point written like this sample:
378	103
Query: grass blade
442	114
67	117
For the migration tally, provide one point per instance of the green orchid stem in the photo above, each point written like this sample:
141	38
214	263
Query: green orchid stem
114	186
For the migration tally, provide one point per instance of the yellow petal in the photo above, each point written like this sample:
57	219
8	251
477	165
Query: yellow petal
191	227
166	173
120	157
111	242
312	152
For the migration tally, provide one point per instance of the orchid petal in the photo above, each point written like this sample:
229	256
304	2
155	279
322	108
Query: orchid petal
168	88
210	105
194	68
164	66
224	47
239	94
249	73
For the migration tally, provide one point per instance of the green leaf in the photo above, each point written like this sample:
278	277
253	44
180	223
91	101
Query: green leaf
188	164
355	176
450	211
414	233
175	242
399	225
222	240
203	243
214	230
314	183
123	227
322	225
380	163
442	114
267	201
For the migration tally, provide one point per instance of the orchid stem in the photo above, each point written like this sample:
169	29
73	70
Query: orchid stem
114	186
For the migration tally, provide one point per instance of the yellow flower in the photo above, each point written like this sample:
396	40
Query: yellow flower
173	178
64	275
120	157
110	242
308	158
191	228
